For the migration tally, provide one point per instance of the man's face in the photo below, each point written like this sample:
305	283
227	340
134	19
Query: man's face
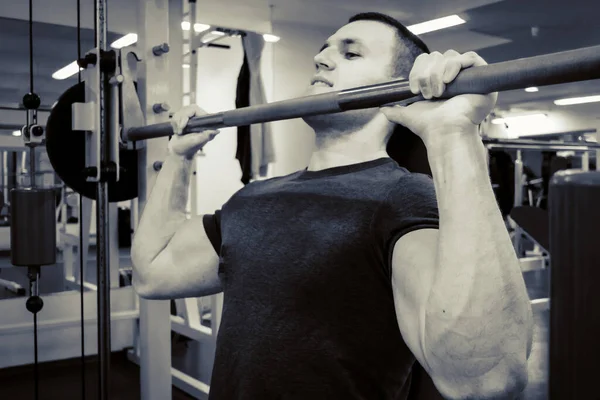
358	54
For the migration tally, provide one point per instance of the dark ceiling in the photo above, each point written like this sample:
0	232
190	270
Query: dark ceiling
54	46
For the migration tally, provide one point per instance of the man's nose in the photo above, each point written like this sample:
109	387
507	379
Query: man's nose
322	61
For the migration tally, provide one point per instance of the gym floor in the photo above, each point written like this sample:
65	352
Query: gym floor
62	379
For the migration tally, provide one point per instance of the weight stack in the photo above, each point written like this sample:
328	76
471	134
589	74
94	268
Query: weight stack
33	227
574	204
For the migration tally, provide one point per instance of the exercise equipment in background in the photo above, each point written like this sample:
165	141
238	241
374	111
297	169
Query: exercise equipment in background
33	212
574	318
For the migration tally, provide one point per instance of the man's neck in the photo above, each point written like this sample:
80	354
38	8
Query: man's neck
325	159
353	148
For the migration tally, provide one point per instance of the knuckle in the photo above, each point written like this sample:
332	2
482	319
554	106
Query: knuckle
437	73
471	54
423	80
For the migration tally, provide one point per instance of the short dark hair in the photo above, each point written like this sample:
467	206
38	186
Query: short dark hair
409	47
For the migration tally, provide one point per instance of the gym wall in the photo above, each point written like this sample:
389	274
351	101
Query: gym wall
293	66
287	67
218	173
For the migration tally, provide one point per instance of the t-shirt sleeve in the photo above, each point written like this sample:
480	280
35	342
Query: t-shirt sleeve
410	205
212	227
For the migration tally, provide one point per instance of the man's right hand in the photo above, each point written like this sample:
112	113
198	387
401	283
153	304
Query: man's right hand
189	144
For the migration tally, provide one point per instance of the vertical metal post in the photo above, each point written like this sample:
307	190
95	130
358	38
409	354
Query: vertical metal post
154	87
102	222
519	179
585	161
5	174
193	84
598	151
193	70
518	200
32	166
113	234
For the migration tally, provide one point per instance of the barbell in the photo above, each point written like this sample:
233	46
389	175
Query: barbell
564	67
66	147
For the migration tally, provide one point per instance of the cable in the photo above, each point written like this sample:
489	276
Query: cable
81	286
34	305
31	46
34	302
35	352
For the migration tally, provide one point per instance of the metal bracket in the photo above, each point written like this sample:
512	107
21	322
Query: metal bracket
114	127
85	115
132	115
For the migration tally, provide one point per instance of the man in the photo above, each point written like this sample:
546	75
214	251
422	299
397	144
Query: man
339	278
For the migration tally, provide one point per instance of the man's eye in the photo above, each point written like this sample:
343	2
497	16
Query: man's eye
352	55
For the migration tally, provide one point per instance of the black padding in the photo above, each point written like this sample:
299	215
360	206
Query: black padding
534	221
574	298
66	151
502	174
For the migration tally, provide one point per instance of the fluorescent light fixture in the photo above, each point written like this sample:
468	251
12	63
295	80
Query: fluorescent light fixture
577	100
271	38
532	89
186	66
198	28
530	118
436	24
67	72
16	133
125	41
209	37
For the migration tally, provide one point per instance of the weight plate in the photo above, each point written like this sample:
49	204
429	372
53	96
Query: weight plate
66	151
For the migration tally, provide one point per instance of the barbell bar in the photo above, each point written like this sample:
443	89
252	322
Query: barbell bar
549	69
527	144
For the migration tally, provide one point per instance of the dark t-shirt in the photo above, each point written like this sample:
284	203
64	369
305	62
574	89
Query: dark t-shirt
305	263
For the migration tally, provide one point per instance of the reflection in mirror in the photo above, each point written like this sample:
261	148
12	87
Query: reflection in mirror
64	275
54	49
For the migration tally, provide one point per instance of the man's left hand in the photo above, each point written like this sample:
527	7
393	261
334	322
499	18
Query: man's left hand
441	121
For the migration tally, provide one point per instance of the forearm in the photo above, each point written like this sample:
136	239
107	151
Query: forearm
164	211
478	312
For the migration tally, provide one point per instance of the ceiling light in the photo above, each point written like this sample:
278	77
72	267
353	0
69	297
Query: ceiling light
531	118
271	38
577	100
67	72
186	66
198	28
125	41
209	37
532	89
436	24
16	133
